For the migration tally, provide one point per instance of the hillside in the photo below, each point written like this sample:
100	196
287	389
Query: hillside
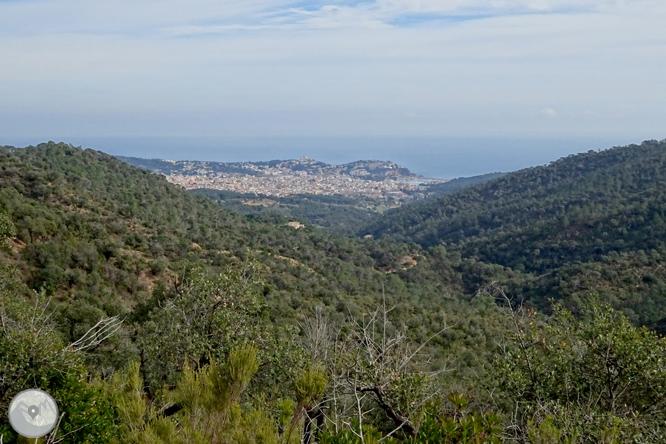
459	183
338	214
367	169
598	208
112	223
205	325
575	209
103	237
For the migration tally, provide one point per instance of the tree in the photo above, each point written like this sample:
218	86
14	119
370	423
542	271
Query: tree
204	407
204	315
34	354
591	377
379	373
7	230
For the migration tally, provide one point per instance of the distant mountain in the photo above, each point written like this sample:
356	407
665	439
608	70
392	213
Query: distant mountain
377	170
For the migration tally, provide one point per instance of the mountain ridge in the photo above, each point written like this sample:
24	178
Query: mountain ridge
594	222
368	169
578	190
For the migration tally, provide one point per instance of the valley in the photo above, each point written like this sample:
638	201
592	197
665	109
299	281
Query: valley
517	284
339	198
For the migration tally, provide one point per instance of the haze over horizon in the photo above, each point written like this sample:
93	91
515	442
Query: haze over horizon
433	157
547	69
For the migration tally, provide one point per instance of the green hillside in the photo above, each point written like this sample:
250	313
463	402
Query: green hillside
459	183
338	214
605	209
91	228
575	209
157	316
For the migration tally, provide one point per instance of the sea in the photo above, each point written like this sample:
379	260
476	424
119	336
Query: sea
432	157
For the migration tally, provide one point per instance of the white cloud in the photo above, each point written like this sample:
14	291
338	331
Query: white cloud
548	112
339	68
148	16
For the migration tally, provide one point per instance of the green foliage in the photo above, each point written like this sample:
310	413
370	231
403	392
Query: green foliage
310	387
255	428
126	390
217	347
548	433
103	238
591	221
286	408
7	230
463	428
233	378
467	429
309	390
205	315
592	379
364	435
600	194
207	402
337	214
90	416
98	230
34	354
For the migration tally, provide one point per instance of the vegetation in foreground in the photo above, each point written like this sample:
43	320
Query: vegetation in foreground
213	369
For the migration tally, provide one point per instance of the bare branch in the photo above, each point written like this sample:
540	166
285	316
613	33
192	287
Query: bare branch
375	359
51	438
101	331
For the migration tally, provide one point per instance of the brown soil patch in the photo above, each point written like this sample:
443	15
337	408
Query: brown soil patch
17	245
293	262
407	262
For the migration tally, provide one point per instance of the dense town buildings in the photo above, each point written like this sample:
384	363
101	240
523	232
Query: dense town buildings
373	179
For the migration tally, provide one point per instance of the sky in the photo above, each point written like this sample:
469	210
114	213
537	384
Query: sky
376	68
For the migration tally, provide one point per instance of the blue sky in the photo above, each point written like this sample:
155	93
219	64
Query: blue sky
273	68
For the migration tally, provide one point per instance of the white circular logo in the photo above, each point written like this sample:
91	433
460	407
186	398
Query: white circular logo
33	413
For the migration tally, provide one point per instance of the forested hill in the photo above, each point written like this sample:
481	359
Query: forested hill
459	183
89	224
177	281
376	170
103	237
156	316
576	209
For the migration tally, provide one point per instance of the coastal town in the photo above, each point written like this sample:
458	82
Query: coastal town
373	179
